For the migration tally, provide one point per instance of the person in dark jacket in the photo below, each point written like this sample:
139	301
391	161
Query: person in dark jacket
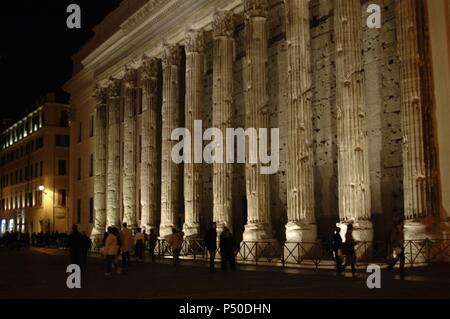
397	242
337	248
152	241
75	244
227	249
211	245
86	246
348	249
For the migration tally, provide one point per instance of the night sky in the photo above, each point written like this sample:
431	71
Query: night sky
36	48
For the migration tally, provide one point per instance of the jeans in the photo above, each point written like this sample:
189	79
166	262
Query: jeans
109	263
125	258
228	259
176	256
152	251
212	257
139	248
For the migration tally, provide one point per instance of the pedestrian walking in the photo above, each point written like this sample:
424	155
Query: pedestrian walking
139	244
337	248
111	250
86	246
211	245
175	241
227	249
397	242
152	241
75	244
126	238
348	249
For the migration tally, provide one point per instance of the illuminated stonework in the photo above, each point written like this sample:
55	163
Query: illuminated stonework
352	105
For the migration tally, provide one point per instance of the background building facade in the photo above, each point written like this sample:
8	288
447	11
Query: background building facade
35	171
362	117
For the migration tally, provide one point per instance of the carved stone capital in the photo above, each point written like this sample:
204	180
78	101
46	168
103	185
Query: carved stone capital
149	68
256	8
130	78
100	94
223	24
195	41
114	88
170	55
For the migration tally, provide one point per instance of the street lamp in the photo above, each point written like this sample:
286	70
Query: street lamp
41	188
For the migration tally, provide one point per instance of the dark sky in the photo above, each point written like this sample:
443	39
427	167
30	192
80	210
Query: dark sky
36	47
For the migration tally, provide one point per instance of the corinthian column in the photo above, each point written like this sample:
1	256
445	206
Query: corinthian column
149	165
100	163
223	60
353	162
256	116
417	210
300	173
195	61
113	168
129	138
170	120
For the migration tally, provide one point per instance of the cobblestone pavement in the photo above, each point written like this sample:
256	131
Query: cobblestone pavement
41	273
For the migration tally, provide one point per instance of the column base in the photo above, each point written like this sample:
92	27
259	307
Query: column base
304	233
301	242
417	232
165	230
191	231
418	229
257	232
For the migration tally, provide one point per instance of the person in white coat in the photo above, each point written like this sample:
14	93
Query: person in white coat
110	250
126	243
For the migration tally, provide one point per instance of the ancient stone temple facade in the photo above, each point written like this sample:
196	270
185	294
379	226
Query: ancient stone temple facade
355	107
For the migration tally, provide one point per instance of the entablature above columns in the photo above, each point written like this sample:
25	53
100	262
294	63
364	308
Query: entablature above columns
144	33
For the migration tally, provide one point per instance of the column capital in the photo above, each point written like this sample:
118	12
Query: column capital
195	41
114	87
256	8
223	24
130	77
170	55
100	94
149	68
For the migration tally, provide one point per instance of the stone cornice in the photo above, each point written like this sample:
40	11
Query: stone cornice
145	31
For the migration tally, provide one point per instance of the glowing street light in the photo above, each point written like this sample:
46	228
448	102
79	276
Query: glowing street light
41	188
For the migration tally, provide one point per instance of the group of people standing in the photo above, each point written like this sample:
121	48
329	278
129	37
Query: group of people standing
344	251
121	242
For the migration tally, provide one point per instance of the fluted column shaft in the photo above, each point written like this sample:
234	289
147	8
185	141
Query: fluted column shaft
195	61
149	165
353	164
100	123
113	163
412	122
300	172
170	120
129	138
256	116
223	60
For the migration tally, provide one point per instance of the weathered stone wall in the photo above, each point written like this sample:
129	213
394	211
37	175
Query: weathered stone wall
383	108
